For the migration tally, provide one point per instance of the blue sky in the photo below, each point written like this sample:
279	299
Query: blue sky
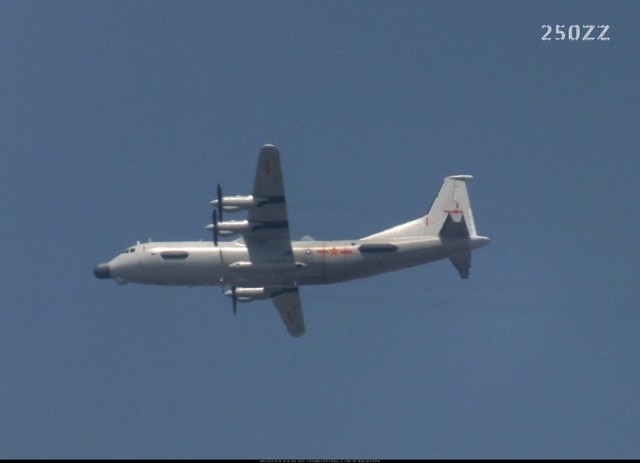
117	120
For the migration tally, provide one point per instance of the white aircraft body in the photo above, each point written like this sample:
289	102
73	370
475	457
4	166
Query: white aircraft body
265	264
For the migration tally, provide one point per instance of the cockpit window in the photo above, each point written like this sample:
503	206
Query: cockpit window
128	250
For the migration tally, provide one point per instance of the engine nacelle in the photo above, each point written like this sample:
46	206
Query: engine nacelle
247	294
235	203
231	227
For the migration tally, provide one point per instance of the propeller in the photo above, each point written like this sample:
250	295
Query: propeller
215	227
234	300
219	205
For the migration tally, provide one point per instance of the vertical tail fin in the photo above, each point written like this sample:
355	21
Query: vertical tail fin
450	214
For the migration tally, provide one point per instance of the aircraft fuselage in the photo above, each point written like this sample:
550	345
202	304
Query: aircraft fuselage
199	263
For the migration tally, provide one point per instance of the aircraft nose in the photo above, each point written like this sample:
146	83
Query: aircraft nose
102	271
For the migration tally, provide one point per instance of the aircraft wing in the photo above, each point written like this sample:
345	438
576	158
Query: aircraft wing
289	305
269	241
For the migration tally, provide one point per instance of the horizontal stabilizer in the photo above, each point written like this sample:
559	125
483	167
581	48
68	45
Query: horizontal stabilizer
462	262
455	229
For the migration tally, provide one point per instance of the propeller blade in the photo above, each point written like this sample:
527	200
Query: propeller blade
234	300
219	192
215	227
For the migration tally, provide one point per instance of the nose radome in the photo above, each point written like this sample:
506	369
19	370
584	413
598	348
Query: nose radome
102	271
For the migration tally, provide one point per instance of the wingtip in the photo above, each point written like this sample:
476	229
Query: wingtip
268	148
460	177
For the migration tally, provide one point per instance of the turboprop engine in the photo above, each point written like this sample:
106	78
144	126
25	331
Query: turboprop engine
229	204
231	227
245	295
234	203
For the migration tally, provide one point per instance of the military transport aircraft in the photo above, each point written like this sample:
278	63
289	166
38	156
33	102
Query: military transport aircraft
263	263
